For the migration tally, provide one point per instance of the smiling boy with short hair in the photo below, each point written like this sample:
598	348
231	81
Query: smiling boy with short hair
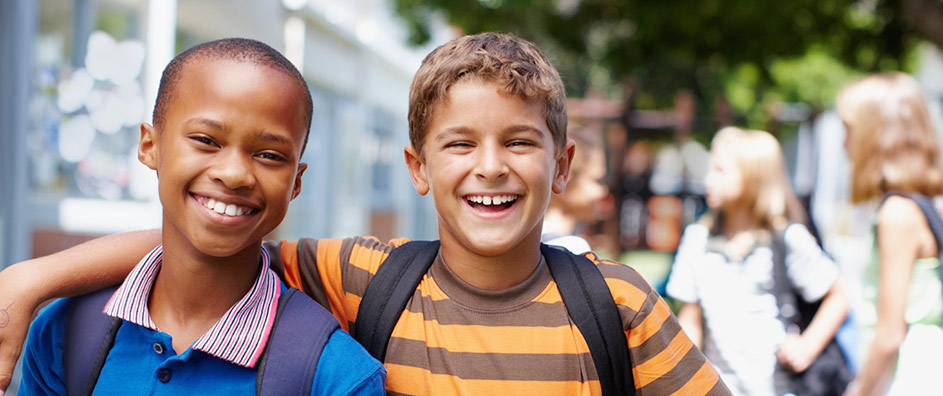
196	314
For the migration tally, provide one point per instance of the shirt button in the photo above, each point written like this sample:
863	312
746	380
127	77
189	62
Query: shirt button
163	375
159	348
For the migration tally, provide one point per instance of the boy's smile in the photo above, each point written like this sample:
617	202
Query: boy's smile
491	164
227	155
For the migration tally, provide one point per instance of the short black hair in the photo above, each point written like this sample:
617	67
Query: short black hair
239	49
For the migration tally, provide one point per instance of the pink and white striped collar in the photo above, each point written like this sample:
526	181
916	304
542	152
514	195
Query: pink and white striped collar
238	337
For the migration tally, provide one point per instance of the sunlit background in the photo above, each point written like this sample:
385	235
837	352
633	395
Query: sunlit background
654	80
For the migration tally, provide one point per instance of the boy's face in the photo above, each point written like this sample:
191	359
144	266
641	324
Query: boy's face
490	162
227	155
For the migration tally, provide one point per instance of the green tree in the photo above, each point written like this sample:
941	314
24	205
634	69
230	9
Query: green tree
751	50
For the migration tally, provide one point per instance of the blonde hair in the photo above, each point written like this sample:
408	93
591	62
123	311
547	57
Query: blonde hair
767	195
891	144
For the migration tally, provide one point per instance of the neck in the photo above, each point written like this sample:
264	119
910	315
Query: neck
492	272
558	222
194	290
737	221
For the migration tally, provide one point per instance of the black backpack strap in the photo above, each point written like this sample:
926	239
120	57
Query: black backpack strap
782	290
301	330
89	335
388	292
591	307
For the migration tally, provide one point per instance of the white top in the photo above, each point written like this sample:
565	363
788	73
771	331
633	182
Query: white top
741	326
573	243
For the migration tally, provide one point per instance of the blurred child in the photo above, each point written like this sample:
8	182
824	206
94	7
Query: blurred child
893	147
578	204
724	269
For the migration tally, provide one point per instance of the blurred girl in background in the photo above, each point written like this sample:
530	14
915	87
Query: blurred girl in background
580	203
893	147
724	270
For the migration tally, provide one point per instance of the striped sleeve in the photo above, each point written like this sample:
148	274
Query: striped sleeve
664	360
334	272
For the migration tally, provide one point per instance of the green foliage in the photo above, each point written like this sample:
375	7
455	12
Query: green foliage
755	52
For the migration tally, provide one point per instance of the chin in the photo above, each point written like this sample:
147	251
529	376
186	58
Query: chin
494	247
220	249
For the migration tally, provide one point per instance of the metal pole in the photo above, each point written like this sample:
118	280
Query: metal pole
18	21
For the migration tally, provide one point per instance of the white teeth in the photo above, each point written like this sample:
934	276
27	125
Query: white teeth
488	200
224	209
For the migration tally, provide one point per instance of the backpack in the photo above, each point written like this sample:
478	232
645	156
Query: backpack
584	291
829	373
286	367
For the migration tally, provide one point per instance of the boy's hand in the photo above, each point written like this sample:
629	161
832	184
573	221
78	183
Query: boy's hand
16	309
796	353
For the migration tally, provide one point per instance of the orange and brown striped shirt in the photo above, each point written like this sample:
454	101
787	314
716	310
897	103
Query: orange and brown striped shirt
453	338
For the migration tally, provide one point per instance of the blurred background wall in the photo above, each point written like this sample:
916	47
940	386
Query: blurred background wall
80	76
653	80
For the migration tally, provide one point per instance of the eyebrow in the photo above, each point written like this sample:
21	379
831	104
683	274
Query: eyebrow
462	130
459	130
271	137
206	121
266	136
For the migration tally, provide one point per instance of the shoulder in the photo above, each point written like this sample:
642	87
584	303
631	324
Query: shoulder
899	213
43	371
627	286
797	235
334	245
695	236
573	243
50	322
345	368
696	231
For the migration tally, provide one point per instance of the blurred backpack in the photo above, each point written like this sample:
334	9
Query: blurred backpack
829	374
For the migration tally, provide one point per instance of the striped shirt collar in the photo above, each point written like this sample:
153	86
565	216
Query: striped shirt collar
239	336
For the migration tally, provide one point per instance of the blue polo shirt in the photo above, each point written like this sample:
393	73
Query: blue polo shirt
221	362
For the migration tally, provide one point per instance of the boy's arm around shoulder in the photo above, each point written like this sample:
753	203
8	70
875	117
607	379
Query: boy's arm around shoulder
664	359
326	269
346	369
80	269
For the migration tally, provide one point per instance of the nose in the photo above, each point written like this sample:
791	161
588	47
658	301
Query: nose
233	169
491	163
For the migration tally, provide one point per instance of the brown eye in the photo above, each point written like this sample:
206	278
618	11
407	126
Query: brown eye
204	140
273	157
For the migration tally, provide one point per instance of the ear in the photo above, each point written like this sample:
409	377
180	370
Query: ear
147	147
417	170
302	167
562	170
